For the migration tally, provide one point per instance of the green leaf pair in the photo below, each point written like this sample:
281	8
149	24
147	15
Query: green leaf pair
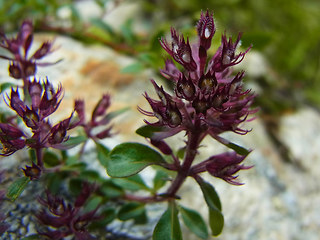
168	227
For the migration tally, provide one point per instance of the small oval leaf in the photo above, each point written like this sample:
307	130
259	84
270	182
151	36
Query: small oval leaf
148	131
168	227
210	194
128	159
17	187
133	183
194	222
130	211
216	221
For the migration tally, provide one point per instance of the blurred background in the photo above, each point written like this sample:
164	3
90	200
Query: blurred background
283	68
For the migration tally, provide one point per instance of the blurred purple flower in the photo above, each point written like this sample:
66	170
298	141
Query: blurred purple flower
21	65
67	219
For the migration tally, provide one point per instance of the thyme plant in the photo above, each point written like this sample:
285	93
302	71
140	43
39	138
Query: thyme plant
207	99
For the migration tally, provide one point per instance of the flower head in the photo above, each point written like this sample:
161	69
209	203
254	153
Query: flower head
100	118
44	101
206	97
21	65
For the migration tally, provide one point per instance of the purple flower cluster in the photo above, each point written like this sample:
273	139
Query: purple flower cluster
207	98
67	219
99	118
21	65
44	101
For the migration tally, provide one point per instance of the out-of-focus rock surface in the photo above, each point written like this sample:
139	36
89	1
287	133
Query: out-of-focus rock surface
278	201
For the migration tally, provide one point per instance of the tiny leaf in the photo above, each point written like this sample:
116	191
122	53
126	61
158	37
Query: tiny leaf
111	190
147	131
17	187
31	237
102	154
6	85
133	68
160	180
210	195
238	149
194	222
51	159
216	220
72	142
130	211
168	227
128	159
133	183
92	203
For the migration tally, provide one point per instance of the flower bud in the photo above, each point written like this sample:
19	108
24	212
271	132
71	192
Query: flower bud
225	165
101	107
35	92
162	146
33	172
207	84
43	50
201	104
31	118
206	29
15	71
186	88
29	68
173	117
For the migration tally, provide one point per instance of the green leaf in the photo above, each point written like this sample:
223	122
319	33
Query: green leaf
148	131
168	227
102	25
103	153
51	159
130	211
128	159
17	187
92	203
160	180
107	216
6	85
32	155
31	237
111	190
210	195
216	220
116	113
181	152
73	141
141	219
133	183
75	186
238	149
127	32
136	67
194	222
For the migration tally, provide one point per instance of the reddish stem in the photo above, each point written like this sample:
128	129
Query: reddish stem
183	172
